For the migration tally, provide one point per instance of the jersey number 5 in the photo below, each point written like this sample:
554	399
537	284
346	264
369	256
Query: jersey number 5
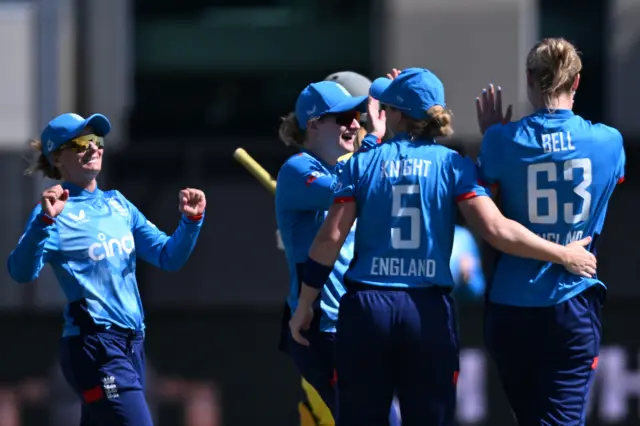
534	194
413	213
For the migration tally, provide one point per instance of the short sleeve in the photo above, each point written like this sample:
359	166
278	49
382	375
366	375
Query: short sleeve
489	159
304	184
465	178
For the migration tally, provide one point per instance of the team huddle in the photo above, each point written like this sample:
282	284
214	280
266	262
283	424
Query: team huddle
367	214
367	225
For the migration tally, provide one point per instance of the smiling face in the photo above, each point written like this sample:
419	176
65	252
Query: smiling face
80	159
334	135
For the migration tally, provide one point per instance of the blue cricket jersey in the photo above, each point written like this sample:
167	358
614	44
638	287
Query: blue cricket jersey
406	194
92	247
556	173
304	193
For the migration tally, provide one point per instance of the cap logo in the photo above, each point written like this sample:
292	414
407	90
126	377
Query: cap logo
400	99
49	146
345	91
312	110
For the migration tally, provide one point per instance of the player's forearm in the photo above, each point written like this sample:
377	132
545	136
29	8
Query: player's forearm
308	295
26	260
512	238
179	246
318	267
325	250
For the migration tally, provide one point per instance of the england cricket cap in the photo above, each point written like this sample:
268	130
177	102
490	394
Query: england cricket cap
325	97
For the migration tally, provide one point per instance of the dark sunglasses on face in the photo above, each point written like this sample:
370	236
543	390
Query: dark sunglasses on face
82	143
346	118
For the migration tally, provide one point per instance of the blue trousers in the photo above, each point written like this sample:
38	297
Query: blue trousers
396	341
106	369
546	357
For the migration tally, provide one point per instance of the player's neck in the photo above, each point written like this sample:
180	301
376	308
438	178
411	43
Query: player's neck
330	159
86	185
323	155
563	101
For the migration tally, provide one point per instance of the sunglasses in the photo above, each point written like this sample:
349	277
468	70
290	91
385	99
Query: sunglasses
346	118
82	143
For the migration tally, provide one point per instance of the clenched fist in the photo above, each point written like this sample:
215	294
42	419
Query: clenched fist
191	202
53	200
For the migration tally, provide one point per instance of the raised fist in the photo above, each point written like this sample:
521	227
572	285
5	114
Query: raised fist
53	200
191	202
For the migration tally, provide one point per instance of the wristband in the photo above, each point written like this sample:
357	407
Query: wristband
195	218
46	219
315	274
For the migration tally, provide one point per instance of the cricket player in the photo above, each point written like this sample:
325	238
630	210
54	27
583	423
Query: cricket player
396	329
313	410
554	172
92	239
324	126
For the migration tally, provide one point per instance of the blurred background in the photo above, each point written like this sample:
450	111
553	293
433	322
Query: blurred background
185	83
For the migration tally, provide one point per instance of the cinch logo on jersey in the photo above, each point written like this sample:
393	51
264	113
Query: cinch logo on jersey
113	247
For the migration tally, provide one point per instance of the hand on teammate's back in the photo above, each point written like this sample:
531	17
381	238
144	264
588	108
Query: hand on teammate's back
53	200
489	109
191	202
578	260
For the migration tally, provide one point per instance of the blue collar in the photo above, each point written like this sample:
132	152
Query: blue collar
81	193
556	113
327	166
400	136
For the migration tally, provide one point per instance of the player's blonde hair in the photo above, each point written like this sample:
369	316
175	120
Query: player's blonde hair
290	132
554	63
437	124
41	164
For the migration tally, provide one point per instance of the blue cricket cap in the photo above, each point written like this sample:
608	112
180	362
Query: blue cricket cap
413	92
67	126
326	97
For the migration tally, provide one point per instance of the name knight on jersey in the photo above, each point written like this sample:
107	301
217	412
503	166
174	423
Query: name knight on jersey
407	167
398	267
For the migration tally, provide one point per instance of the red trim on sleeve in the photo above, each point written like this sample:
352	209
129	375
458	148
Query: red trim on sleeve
621	180
455	378
93	395
466	196
342	200
594	364
379	141
195	218
310	180
46	219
